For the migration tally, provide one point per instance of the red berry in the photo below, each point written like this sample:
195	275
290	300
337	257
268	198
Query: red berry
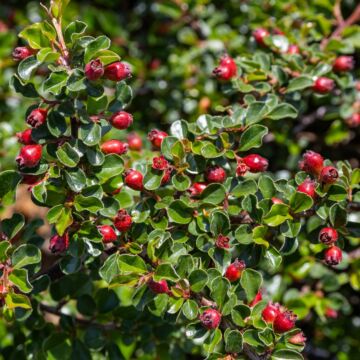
331	313
323	85
134	179
117	71
276	200
308	187
29	155
21	53
158	287
234	270
167	175
312	162
257	298
255	163
24	137
123	221
329	175
108	233
215	174
196	189
293	49
30	179
160	163
328	235
134	141
59	243
270	312
354	120
94	70
37	117
284	322
210	319
297	339
333	255
156	137
121	120
114	147
343	63
260	34
227	68
222	242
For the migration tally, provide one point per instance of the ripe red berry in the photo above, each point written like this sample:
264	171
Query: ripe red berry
121	120
210	318
343	63
37	117
222	242
21	53
134	179
117	71
333	255
270	312
160	163
234	270
30	179
284	321
308	187
24	137
255	163
329	175
354	120
134	141
156	137
260	34
331	313
312	162
257	298
297	339
114	147
197	188
293	49
29	155
158	287
108	233
323	85
59	243
123	221
227	68
276	200
215	174
94	70
328	235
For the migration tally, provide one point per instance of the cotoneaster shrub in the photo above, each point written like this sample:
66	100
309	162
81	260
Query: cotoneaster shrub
190	228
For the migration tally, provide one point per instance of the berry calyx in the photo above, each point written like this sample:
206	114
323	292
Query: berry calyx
210	318
108	233
134	179
215	174
241	167
134	141
328	235
312	163
333	256
197	188
94	70
308	187
260	34
222	242
255	163
21	53
160	163
29	156
114	147
323	85
297	339
158	287
37	117
227	68
234	270
284	321
270	312
121	120
59	244
156	137
343	63
117	71
24	137
329	175
123	221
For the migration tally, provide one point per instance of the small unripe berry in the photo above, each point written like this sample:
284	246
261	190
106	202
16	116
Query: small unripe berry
323	85
156	137
37	117
24	137
29	155
333	255
160	163
134	141
59	243
117	71
329	175
197	188
134	179
257	298
255	163
158	287
222	242
270	312
297	339
108	233
293	49
215	174
354	120
210	319
276	200
227	68
343	63
121	120
234	270
328	235
260	34
312	162
331	313
21	53
94	70
308	187
123	221
284	322
114	147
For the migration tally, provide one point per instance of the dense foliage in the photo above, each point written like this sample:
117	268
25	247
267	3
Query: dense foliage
213	234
